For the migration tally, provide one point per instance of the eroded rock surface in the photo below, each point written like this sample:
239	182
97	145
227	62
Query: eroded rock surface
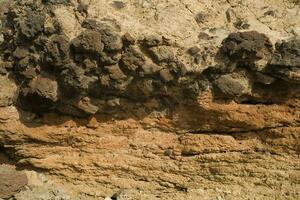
106	101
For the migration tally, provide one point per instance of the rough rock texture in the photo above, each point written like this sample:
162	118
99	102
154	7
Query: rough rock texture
11	181
178	99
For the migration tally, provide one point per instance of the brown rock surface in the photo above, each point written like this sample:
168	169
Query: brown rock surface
178	99
11	182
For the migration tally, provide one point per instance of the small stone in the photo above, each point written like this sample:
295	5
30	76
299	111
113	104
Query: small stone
31	25
285	62
149	69
88	42
198	59
83	8
193	50
111	40
246	49
115	72
119	4
230	15
162	54
20	53
200	18
58	50
232	86
166	75
114	102
128	39
87	106
133	58
93	123
152	41
204	36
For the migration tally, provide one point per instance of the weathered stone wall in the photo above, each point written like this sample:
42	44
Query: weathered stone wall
104	96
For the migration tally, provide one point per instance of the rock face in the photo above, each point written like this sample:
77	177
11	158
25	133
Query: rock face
11	181
90	98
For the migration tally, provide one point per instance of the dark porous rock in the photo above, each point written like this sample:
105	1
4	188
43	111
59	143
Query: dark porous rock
58	50
31	25
109	58
285	63
91	66
39	95
152	41
73	81
232	85
114	80
245	49
88	41
133	59
111	40
161	54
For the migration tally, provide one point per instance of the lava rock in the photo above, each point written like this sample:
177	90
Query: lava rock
115	73
161	54
152	41
232	85
88	42
111	40
40	95
132	59
109	58
245	49
285	63
73	81
31	25
58	50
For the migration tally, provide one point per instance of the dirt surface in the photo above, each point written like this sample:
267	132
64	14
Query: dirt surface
178	99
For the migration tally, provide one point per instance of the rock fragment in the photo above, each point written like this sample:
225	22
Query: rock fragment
88	42
246	49
39	95
285	63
